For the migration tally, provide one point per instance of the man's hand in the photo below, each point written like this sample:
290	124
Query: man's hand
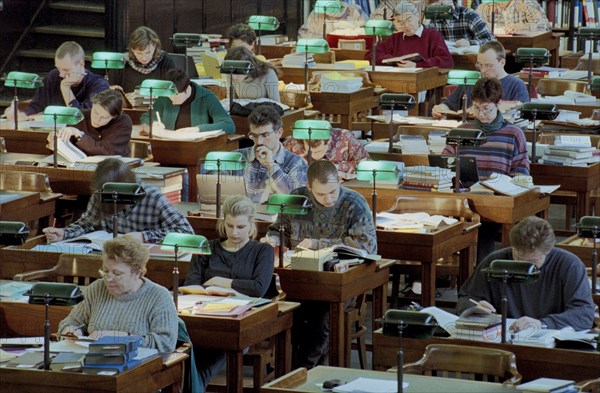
71	79
218	282
307	243
71	333
486	305
462	43
436	111
66	133
406	64
265	156
54	234
525	323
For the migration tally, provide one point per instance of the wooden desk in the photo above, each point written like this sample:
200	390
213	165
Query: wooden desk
303	381
581	180
585	108
346	105
546	39
349	54
532	362
289	118
501	209
25	141
276	51
186	153
28	207
335	289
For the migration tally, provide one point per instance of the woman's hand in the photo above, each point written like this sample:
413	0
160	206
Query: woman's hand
54	234
218	282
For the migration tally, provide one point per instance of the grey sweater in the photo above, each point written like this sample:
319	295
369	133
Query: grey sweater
560	297
149	312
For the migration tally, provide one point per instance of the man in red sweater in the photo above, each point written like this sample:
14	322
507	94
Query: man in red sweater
413	38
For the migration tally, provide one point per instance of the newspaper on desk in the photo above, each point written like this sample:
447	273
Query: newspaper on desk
412	222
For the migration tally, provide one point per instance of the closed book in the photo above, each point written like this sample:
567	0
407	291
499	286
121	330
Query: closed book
568	153
28	360
115	344
109	369
547	385
109	358
432	184
67	361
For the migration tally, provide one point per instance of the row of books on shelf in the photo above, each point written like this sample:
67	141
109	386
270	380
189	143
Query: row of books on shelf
585	13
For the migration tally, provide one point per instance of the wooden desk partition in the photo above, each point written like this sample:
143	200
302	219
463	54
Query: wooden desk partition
532	362
546	39
26	141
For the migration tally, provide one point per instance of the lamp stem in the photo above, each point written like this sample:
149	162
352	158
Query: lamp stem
595	232
457	169
55	140
230	91
306	68
176	277
218	210
281	234
324	22
115	197
391	135
106	69
309	159
150	114
47	299
400	357
504	305
464	105
493	16
533	137
374	198
590	74
530	77
16	106
373	51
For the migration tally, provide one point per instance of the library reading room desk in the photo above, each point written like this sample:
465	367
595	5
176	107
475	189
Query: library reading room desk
27	206
532	362
303	381
546	39
232	335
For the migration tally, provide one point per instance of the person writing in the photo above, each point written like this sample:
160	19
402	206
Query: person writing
350	17
104	130
338	215
270	169
148	221
194	107
69	84
144	59
124	302
560	297
236	261
262	82
491	60
427	45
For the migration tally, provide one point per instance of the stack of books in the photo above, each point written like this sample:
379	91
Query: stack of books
112	354
548	385
437	141
568	155
427	178
484	326
542	72
298	59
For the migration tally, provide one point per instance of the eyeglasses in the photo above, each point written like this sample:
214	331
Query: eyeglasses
264	135
484	66
111	276
484	111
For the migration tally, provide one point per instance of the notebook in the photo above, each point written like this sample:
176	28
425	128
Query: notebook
212	64
468	167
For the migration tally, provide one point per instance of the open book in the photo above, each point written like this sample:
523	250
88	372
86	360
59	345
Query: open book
414	57
69	152
208	291
93	240
186	134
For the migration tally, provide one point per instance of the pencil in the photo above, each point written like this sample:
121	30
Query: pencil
475	302
158	117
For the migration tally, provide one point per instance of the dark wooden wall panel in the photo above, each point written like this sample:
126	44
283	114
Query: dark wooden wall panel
14	18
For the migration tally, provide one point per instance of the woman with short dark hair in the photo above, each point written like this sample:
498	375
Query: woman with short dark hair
262	82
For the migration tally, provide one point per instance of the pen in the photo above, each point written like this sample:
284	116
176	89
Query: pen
475	302
158	117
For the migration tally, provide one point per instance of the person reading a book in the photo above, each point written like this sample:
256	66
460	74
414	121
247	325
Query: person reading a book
560	297
466	27
236	261
414	45
342	148
69	84
148	221
193	108
338	215
124	302
491	60
351	17
515	16
270	167
104	130
262	82
145	59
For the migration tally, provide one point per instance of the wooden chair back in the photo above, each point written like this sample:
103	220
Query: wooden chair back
557	87
76	269
589	386
25	181
466	362
140	149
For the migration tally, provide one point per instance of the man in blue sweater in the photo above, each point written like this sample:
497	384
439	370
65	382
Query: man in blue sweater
490	61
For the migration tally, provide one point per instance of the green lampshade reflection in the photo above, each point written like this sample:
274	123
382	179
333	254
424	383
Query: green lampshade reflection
263	22
185	242
312	129
23	80
157	88
380	170
186	39
329	7
108	60
532	55
225	160
62	114
236	67
13	227
596	83
312	45
291	204
379	27
438	12
463	77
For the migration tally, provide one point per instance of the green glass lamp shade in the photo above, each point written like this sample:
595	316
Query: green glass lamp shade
108	60
312	129
291	204
465	137
157	88
329	7
127	193
589	33
236	67
417	324
589	227
539	111
186	39
463	77
532	55
23	80
516	271
394	101
225	160
312	45
263	22
13	232
185	242
596	83
380	170
438	12
62	115
377	27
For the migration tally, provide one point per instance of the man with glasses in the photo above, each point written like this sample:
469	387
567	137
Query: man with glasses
560	297
464	29
69	84
270	169
490	62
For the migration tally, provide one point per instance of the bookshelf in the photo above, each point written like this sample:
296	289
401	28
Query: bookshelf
567	15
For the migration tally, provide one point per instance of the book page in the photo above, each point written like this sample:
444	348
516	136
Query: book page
503	184
69	152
